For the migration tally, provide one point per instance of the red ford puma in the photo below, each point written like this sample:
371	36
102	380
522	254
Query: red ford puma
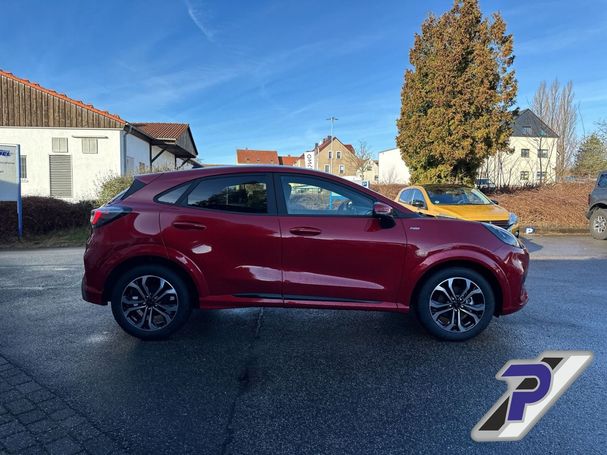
232	237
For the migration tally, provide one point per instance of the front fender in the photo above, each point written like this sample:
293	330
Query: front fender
456	254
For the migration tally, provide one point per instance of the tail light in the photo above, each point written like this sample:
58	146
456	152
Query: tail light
589	196
107	213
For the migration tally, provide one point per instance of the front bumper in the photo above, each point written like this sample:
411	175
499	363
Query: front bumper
515	268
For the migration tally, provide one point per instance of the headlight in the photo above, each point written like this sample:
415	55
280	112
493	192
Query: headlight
512	219
502	234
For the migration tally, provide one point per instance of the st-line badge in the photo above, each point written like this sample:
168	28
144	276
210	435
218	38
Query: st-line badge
533	387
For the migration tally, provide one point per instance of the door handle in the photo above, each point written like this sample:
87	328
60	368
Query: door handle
189	225
305	231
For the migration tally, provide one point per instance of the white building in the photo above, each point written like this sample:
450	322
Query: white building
531	158
392	168
67	146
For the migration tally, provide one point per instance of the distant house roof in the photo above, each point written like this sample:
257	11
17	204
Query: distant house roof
246	156
163	130
174	137
49	108
288	160
26	103
528	124
327	140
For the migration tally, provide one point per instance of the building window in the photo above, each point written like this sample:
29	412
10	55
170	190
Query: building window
524	153
23	167
327	169
89	145
330	154
60	145
141	167
541	175
338	155
60	168
527	130
342	169
376	178
542	153
525	175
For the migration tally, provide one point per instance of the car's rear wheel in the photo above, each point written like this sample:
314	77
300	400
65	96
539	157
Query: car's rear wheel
598	224
151	302
455	304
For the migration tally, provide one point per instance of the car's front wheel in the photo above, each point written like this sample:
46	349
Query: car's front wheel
598	224
455	304
151	302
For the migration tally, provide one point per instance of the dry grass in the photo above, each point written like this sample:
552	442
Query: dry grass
558	207
552	208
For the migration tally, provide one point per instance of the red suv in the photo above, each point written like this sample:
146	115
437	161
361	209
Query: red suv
233	237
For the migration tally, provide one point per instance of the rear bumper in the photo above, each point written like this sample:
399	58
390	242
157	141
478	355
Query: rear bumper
89	294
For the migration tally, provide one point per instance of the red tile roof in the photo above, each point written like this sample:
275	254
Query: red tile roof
162	130
288	160
246	156
327	140
62	96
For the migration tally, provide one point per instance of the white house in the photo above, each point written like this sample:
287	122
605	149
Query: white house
67	146
392	168
531	157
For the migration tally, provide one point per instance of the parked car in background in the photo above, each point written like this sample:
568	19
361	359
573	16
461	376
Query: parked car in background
457	201
485	184
597	208
241	236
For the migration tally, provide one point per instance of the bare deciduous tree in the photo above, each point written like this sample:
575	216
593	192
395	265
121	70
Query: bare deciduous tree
360	159
555	105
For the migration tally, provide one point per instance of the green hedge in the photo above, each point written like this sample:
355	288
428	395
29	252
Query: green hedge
42	215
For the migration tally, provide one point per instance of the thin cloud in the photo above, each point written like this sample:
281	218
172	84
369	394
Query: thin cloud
197	16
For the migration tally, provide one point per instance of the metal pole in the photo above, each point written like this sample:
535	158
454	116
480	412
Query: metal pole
19	203
332	119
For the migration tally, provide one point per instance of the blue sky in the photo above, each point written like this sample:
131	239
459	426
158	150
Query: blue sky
267	74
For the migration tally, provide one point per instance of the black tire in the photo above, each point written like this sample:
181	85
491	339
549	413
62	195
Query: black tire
598	224
177	313
442	308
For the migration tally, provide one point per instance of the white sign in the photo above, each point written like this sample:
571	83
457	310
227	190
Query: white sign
309	160
9	181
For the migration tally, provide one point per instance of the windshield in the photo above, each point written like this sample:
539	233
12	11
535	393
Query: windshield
457	196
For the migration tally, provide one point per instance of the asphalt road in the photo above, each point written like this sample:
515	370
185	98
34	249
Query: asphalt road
307	381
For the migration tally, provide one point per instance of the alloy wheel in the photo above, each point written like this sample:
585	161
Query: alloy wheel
600	224
457	304
149	302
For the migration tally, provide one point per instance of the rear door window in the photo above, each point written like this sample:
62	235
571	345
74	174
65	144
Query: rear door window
240	193
602	182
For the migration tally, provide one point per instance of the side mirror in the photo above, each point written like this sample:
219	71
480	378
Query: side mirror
417	203
384	213
495	202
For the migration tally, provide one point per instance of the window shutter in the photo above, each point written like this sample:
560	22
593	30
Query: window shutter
61	175
23	167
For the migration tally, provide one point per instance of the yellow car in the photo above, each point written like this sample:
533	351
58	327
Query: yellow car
457	201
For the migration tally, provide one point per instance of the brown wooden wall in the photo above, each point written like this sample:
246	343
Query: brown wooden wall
23	105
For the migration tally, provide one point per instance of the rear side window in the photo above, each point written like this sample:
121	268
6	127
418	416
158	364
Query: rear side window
172	196
135	186
244	194
602	182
